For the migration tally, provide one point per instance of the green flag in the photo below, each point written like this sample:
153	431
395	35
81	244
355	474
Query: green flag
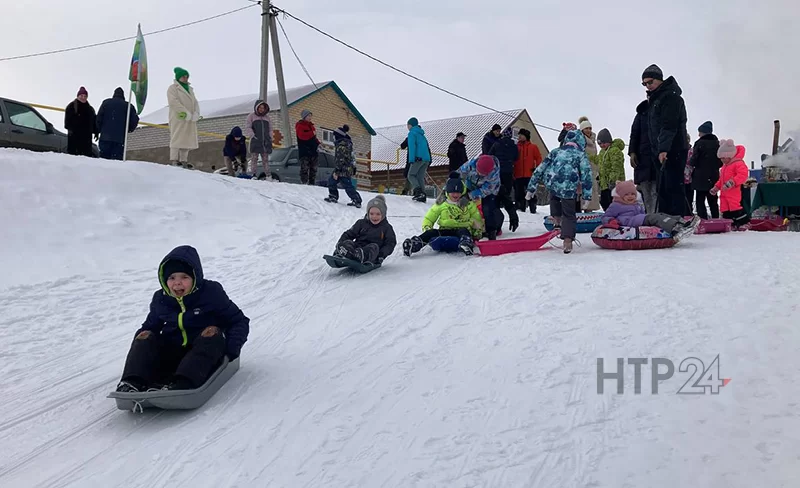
138	74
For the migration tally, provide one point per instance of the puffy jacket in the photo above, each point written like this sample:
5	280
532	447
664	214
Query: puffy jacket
457	155
529	159
626	215
705	162
565	168
450	215
489	140
364	232
611	164
667	119
646	169
235	149
730	199
181	320
418	148
258	129
307	142
111	118
480	186
343	154
506	152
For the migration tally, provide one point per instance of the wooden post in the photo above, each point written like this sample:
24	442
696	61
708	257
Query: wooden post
776	137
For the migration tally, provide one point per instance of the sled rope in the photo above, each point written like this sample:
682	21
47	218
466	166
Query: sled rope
137	405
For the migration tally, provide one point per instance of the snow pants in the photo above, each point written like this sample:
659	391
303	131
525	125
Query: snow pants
564	209
671	193
663	221
369	252
264	163
308	169
649	191
739	217
490	217
80	145
432	234
347	183
154	361
416	176
606	199
111	150
505	198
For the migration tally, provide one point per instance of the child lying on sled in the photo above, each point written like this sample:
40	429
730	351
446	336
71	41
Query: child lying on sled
456	217
627	211
371	239
192	324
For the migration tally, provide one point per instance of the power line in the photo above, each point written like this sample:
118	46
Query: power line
104	43
402	71
303	66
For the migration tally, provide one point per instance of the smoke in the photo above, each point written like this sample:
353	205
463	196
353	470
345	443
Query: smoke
757	50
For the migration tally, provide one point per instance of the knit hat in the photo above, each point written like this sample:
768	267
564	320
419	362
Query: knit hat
454	184
496	127
180	73
654	72
584	123
176	266
604	137
378	202
727	149
526	133
83	91
508	132
569	126
706	128
485	165
305	113
413	122
625	187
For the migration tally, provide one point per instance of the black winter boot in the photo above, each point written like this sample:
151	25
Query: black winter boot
413	245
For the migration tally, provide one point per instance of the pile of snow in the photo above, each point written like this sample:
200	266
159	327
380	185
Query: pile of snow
432	371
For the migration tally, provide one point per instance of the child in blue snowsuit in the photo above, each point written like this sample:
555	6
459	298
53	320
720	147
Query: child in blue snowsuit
482	178
566	174
345	167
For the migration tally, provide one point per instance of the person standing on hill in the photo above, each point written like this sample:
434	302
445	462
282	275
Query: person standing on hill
457	152
258	129
184	113
706	166
667	125
529	159
491	138
307	145
80	120
112	117
506	152
643	162
419	159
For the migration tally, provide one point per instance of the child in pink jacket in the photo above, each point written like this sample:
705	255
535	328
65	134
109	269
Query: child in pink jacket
733	174
626	211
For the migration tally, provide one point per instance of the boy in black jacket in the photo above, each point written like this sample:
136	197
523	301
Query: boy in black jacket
192	324
371	239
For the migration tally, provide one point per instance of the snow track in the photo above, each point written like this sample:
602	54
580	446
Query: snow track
434	371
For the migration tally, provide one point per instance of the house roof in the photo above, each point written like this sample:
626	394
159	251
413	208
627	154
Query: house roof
440	134
243	104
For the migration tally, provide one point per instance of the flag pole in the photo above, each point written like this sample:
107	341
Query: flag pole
127	124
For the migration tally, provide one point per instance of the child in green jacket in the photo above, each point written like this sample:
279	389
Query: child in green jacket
611	163
456	217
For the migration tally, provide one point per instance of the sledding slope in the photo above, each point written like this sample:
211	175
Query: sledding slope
438	370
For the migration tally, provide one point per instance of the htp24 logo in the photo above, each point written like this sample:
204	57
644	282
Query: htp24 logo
702	380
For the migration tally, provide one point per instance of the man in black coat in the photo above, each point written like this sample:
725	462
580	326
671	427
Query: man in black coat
706	166
491	138
80	122
457	152
644	163
111	119
668	138
507	153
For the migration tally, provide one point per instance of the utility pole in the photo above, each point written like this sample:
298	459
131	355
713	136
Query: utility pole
265	22
276	52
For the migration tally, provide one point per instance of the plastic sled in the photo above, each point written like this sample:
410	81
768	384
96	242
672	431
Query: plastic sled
714	226
445	244
337	262
177	399
522	244
769	225
587	222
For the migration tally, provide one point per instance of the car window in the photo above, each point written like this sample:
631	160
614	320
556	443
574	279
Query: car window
25	117
1	113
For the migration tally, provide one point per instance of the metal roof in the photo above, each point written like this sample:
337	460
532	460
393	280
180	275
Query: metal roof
440	134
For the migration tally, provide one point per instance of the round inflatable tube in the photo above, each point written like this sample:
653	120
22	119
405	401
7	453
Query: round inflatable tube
632	238
587	222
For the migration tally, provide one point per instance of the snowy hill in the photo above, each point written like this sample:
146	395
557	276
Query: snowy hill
440	371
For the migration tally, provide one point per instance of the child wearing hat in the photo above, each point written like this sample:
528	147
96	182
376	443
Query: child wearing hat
192	324
628	212
482	180
371	239
611	165
733	174
345	168
456	217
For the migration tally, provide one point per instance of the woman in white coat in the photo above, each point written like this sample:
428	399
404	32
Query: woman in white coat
184	113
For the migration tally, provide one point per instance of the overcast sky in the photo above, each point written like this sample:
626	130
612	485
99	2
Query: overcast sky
736	60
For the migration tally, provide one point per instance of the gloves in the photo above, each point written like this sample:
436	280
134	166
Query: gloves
182	115
528	196
477	224
614	223
513	225
728	184
463	201
713	191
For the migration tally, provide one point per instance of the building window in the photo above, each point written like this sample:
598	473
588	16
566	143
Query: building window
327	137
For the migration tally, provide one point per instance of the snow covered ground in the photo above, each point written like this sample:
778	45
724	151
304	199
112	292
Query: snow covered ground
434	371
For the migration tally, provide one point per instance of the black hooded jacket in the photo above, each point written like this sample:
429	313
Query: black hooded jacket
667	119
705	162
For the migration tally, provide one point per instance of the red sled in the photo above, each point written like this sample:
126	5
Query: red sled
714	226
522	244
